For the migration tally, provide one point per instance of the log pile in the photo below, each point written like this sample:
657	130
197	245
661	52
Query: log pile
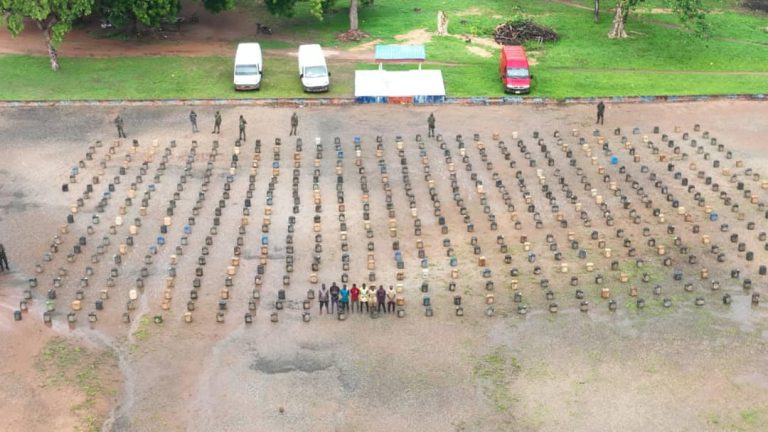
516	33
351	36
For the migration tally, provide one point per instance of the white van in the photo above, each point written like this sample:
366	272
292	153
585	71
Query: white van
248	66
313	71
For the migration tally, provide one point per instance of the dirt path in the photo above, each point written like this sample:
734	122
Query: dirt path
209	35
572	4
79	44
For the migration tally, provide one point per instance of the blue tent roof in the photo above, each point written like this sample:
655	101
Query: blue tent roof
400	52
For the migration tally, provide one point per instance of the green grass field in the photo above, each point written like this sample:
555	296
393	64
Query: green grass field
659	57
29	78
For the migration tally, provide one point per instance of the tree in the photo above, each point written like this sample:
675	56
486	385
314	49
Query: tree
597	10
150	13
619	19
691	14
353	25
318	8
54	18
217	6
280	7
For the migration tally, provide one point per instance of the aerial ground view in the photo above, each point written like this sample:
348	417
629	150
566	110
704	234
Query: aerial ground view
280	215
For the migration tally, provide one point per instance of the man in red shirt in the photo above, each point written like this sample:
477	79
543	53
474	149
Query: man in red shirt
355	298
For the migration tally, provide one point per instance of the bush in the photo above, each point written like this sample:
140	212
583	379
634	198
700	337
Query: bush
758	5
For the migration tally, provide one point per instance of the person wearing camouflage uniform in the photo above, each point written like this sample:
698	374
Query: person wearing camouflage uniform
217	123
431	124
242	128
119	123
294	123
193	120
600	112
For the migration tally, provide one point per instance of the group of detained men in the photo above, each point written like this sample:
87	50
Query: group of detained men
346	300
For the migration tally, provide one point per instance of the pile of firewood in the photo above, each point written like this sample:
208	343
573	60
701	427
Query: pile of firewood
351	36
516	33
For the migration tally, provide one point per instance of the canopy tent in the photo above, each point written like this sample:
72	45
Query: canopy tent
400	53
413	86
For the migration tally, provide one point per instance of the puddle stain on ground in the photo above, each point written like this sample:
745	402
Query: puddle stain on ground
15	202
300	362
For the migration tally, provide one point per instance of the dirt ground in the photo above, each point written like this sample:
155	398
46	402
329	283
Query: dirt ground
685	367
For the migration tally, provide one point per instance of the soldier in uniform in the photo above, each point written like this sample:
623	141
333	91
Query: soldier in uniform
600	112
193	120
242	128
431	124
294	123
3	259
217	123
119	124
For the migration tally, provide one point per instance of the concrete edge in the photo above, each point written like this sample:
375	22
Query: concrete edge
313	102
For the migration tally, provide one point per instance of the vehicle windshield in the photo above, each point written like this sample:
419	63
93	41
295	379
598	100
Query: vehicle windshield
517	73
247	70
315	72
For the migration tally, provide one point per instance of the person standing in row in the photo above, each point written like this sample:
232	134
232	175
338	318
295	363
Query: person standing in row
381	299
334	296
119	123
294	123
431	125
217	123
193	120
600	112
372	298
363	299
391	294
354	294
344	299
3	259
242	128
323	298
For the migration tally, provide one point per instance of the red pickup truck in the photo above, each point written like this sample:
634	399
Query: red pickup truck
513	70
